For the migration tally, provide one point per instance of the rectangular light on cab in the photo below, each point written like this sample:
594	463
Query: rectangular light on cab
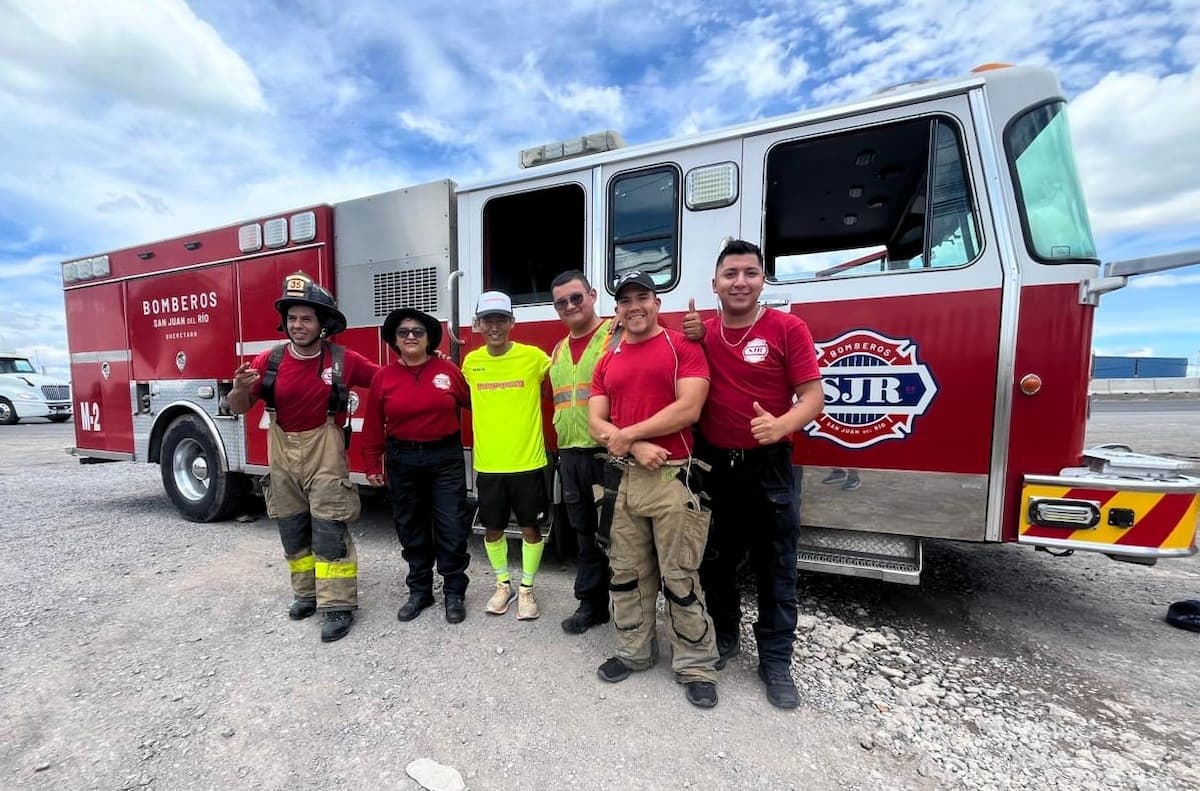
250	238
711	186
304	226
275	232
100	266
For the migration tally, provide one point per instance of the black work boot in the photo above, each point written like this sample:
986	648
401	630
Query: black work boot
584	618
302	608
781	690
456	608
701	693
413	607
728	646
337	625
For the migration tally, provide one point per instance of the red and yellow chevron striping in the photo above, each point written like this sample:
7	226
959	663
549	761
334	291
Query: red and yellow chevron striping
1165	522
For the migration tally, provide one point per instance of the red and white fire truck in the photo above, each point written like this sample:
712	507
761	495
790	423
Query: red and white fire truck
934	236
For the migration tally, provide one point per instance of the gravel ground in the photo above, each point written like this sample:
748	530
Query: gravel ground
143	651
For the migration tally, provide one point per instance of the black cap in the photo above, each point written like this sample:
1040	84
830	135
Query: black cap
433	328
635	277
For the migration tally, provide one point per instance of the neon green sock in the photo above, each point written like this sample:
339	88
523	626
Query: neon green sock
497	552
531	558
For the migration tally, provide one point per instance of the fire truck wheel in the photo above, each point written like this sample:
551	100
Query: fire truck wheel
8	415
191	473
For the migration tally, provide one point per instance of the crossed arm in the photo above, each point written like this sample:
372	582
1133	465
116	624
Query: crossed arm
681	413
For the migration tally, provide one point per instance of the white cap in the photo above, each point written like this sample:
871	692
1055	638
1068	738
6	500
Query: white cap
491	302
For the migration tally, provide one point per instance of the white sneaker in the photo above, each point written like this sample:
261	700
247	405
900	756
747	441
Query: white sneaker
527	606
498	604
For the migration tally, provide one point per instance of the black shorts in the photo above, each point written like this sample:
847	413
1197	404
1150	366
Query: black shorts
522	493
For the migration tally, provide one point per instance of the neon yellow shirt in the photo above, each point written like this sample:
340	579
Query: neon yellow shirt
506	408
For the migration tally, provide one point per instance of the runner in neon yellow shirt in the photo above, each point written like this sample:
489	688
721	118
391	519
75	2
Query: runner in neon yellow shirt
505	378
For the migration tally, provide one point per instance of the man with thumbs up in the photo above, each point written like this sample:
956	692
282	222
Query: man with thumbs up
765	386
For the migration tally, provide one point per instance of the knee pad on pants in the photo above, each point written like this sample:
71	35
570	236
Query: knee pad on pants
294	532
626	602
687	611
329	538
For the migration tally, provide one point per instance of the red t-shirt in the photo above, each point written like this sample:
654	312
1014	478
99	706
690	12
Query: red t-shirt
302	386
639	380
765	364
418	403
579	345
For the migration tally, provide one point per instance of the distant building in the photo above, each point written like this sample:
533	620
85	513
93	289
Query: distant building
1139	367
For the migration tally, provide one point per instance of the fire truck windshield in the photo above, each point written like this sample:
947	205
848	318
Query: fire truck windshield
1053	211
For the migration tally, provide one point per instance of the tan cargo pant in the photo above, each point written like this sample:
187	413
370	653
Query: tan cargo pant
658	538
311	496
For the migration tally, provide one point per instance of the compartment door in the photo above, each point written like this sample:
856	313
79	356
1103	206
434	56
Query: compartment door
100	370
875	231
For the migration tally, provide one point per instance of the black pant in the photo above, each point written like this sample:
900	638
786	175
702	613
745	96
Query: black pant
578	470
428	487
754	508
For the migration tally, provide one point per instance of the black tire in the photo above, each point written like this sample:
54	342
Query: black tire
191	473
8	413
58	418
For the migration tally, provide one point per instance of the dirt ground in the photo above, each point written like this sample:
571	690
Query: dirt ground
144	651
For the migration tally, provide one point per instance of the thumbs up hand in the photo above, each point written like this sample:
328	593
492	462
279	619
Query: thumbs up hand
765	427
693	326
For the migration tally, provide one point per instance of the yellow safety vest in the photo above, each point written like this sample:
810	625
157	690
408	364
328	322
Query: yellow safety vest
572	384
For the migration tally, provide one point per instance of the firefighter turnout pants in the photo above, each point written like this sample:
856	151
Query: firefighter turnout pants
658	538
312	498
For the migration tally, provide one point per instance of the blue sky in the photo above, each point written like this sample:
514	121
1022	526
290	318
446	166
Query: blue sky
133	120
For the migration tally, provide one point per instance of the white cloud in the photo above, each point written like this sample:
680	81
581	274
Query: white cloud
430	127
1164	281
156	55
756	59
1135	135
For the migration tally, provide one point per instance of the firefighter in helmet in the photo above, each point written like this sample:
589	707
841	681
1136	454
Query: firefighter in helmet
305	384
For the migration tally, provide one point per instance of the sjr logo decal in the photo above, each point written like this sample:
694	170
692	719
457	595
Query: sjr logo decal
875	389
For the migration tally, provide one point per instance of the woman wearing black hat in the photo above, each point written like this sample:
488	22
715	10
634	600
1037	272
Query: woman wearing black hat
411	425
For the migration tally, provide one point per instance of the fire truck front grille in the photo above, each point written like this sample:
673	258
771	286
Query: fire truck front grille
56	392
412	288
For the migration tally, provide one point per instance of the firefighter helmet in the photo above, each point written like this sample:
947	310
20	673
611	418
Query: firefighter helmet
299	289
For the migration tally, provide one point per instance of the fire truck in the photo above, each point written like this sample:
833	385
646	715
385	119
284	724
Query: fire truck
933	235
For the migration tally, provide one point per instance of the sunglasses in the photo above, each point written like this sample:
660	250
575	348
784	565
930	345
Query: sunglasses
410	332
575	299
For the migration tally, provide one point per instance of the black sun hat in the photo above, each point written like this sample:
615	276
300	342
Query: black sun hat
433	328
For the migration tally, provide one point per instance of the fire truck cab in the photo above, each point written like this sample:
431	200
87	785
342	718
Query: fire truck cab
934	236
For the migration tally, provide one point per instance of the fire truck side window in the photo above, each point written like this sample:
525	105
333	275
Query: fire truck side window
530	237
891	198
644	224
1053	211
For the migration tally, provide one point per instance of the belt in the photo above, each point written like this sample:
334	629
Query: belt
581	451
412	444
734	457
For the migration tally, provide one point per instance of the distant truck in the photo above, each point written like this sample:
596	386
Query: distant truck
25	393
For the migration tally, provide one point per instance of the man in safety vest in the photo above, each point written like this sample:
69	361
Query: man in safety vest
765	386
580	469
306	385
